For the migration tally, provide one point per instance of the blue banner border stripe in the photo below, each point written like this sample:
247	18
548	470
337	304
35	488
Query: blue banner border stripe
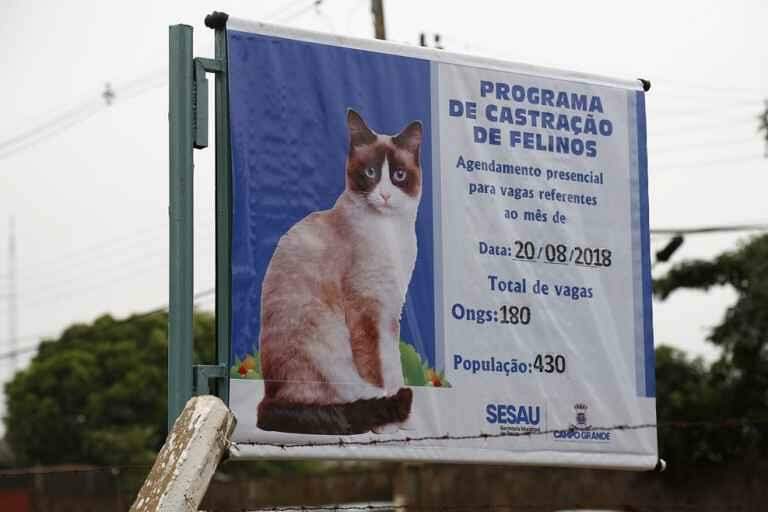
650	357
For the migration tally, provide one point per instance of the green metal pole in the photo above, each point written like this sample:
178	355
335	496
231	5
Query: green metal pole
223	209
180	118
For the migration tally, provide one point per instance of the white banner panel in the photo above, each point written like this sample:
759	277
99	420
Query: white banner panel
436	257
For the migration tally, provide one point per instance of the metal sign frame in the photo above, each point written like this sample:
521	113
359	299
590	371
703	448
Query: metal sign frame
188	130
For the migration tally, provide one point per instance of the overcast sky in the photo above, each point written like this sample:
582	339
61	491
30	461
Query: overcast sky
89	193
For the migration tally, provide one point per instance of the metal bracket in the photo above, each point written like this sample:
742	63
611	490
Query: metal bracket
200	106
210	65
200	98
203	374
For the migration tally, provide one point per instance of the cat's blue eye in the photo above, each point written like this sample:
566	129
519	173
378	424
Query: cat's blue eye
398	175
370	172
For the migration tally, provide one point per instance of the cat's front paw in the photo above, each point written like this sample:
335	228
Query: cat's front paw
407	425
389	428
368	393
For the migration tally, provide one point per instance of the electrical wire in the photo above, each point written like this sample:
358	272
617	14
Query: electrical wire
708	230
718	89
127	90
73	117
155	232
684	164
701	230
152	241
57	281
67	291
142	85
300	12
714	144
282	9
160	309
48	133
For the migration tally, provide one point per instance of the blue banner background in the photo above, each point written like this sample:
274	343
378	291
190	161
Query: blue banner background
288	103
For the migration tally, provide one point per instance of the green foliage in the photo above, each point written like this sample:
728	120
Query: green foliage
98	393
416	372
736	386
684	393
413	368
249	367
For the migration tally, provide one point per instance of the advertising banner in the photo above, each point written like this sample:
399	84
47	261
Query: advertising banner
436	256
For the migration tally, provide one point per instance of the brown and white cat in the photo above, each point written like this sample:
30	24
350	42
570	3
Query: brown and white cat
333	294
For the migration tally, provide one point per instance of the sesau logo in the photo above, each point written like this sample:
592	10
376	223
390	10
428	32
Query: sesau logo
582	430
513	414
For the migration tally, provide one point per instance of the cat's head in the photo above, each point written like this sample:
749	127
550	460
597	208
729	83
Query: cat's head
383	171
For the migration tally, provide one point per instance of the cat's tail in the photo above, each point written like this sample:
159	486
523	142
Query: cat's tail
355	417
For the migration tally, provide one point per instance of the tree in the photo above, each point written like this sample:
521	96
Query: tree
684	392
736	386
98	393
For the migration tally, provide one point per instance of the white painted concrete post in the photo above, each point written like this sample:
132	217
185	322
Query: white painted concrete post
184	467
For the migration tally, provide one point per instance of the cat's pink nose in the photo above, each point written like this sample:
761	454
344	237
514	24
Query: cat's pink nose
385	196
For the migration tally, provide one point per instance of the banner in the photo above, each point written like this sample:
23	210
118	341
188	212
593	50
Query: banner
436	256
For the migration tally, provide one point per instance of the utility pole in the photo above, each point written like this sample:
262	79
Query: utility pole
377	9
12	309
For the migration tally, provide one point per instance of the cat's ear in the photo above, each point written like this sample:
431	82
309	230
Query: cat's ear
410	137
359	133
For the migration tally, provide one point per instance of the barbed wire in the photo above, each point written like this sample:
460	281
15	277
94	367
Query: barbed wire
729	423
342	443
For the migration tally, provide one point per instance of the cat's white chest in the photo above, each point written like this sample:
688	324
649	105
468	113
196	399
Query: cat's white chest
388	248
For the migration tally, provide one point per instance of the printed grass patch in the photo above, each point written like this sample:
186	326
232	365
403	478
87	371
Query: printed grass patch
248	367
415	371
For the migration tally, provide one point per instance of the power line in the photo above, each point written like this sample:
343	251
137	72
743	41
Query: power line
156	232
683	164
75	116
300	12
700	123
65	290
153	242
706	90
61	118
282	9
129	89
63	283
713	144
50	131
708	230
161	309
702	107
719	89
